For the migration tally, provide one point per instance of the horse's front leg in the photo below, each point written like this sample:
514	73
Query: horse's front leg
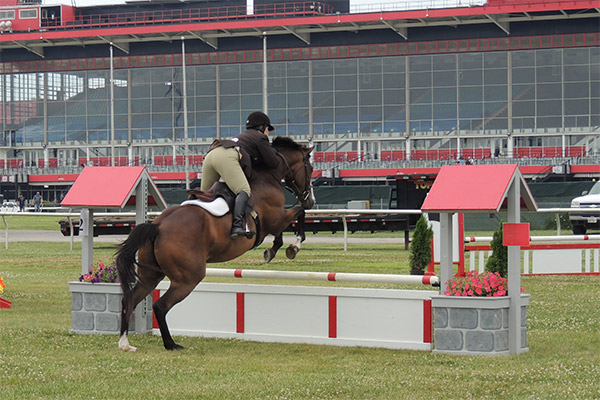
269	254
293	249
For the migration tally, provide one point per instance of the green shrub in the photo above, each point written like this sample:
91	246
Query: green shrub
420	248
498	261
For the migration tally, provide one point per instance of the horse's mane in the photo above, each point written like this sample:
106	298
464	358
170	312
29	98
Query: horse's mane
287	142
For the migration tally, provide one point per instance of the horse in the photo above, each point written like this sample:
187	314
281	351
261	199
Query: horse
183	239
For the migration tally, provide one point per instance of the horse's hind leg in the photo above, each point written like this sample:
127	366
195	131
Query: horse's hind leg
148	281
177	291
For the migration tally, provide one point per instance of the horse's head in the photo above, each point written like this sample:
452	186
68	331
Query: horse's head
298	175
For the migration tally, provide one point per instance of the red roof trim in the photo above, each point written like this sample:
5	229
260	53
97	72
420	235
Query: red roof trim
500	8
535	169
344	173
53	178
357	173
156	176
581	169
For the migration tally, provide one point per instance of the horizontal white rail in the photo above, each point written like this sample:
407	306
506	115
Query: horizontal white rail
587	210
553	261
557	238
350	211
323	276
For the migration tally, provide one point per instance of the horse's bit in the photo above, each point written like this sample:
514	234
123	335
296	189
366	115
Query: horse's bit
304	194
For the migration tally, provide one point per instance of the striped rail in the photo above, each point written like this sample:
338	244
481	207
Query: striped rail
323	276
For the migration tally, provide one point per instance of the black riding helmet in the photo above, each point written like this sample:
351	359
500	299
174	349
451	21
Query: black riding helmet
257	119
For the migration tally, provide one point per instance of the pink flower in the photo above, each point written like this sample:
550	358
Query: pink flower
475	284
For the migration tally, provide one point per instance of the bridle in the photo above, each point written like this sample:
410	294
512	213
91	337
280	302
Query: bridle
291	177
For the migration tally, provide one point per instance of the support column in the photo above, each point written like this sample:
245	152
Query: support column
407	108
514	272
86	231
461	245
130	155
264	76
112	107
141	201
510	148
45	117
218	96
311	121
446	267
186	161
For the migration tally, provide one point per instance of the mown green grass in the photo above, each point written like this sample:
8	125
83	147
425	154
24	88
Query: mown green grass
39	358
32	221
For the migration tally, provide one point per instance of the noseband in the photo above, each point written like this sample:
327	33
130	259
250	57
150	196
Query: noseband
302	195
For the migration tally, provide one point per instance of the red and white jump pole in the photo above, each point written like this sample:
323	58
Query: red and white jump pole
323	276
553	238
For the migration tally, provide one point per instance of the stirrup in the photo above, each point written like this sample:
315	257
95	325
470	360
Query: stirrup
237	232
241	232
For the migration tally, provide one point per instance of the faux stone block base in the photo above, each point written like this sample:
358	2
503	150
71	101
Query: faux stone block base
96	308
474	325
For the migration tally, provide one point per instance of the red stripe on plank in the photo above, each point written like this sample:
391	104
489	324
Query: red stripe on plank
427	321
333	317
239	317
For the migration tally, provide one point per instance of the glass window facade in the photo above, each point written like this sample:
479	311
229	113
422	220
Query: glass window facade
535	91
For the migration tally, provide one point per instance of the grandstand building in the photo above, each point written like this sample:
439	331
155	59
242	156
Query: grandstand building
381	87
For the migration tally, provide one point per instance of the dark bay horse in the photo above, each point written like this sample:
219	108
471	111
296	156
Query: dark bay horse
180	242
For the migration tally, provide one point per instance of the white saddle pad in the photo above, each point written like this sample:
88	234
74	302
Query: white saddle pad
217	207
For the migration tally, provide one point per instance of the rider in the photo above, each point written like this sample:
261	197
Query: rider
233	161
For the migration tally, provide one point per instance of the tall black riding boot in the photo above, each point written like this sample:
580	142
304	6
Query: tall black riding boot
239	210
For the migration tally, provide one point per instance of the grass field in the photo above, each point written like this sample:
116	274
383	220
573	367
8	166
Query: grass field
40	359
32	221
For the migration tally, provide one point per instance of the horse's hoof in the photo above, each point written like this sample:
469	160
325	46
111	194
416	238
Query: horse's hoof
124	344
175	347
128	349
268	255
291	251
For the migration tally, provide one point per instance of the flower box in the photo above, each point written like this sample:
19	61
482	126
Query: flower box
474	325
96	308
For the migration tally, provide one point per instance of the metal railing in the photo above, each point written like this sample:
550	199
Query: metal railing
342	213
327	165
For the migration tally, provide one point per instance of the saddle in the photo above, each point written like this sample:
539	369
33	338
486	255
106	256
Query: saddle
209	199
219	200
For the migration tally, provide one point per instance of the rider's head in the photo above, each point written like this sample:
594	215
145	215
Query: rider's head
259	121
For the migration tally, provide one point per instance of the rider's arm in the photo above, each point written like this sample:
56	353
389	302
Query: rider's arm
268	154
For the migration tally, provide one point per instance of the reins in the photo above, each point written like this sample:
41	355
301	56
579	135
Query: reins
302	195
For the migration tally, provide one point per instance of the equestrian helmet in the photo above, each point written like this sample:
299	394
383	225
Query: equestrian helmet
258	118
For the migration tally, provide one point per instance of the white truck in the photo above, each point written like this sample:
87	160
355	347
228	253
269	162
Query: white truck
581	222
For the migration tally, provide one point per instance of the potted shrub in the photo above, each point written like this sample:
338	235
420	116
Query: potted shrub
96	304
471	317
420	247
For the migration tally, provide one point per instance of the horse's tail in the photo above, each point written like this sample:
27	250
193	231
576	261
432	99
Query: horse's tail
125	258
